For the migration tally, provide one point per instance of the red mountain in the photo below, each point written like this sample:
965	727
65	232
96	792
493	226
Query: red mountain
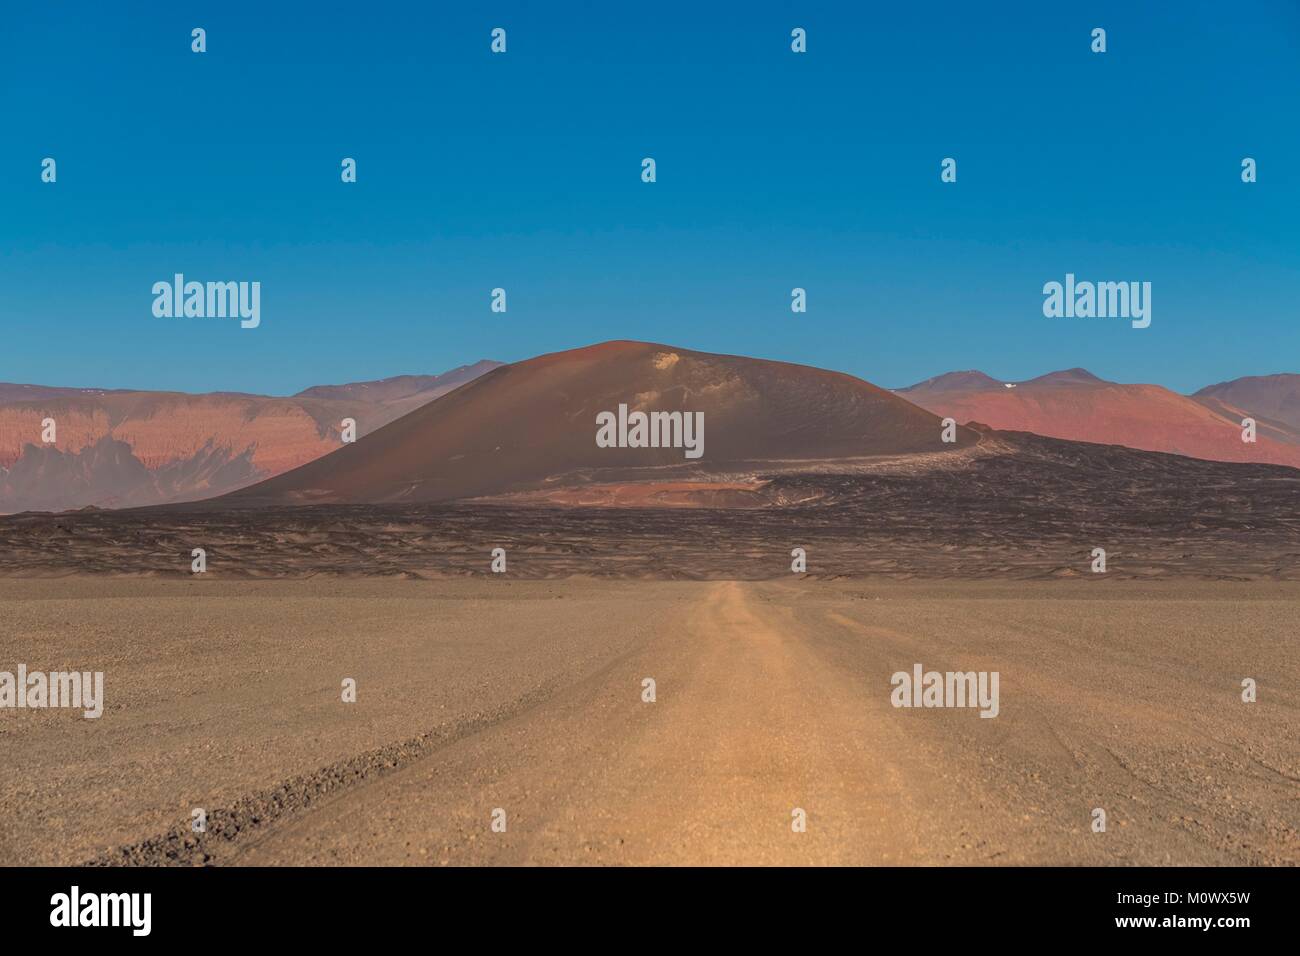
122	448
1272	400
1075	404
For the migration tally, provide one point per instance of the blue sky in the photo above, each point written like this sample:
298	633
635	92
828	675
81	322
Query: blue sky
522	170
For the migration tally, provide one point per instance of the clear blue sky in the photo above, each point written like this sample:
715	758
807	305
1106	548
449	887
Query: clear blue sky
523	171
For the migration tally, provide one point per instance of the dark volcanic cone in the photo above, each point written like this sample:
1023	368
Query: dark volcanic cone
532	425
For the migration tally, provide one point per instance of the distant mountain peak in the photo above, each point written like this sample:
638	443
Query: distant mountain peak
1068	376
1275	398
968	380
397	387
1276	380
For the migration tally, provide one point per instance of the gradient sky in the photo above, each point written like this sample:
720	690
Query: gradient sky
523	171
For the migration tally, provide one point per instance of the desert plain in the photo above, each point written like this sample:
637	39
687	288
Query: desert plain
485	694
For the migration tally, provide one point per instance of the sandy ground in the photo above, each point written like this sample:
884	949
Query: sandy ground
773	696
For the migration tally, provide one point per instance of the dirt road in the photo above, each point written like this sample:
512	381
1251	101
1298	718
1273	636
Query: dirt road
771	699
747	725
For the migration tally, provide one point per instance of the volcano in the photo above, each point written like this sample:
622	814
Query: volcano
532	426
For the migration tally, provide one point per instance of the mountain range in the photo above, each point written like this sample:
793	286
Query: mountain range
527	430
1075	404
125	448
